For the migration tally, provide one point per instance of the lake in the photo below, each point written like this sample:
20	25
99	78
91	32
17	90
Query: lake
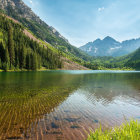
66	105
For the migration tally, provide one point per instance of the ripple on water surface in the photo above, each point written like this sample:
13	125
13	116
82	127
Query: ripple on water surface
66	104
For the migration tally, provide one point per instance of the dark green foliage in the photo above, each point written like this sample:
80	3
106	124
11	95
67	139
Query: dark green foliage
6	56
34	62
28	62
17	51
11	45
0	63
5	66
2	52
22	57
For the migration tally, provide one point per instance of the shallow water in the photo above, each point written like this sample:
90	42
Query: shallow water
66	104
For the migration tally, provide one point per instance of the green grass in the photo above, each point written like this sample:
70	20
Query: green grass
124	68
127	131
23	70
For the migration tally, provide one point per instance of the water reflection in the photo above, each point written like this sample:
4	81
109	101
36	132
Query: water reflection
108	87
26	97
65	104
106	98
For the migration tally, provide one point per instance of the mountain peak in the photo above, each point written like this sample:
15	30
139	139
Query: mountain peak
97	40
109	38
110	47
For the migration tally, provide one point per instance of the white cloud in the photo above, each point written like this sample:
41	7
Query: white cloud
31	1
101	9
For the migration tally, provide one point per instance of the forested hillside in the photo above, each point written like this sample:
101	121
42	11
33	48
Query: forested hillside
17	51
21	12
131	61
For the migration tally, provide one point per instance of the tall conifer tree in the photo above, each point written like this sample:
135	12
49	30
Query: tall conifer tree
11	46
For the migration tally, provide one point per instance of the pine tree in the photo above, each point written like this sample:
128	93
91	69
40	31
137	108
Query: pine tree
22	57
5	66
0	64
16	57
2	52
6	56
28	61
11	46
39	61
34	62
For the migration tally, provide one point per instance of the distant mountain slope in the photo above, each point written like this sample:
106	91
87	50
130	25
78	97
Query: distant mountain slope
132	60
21	12
110	47
126	62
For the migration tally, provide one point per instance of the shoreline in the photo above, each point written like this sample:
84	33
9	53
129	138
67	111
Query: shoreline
24	70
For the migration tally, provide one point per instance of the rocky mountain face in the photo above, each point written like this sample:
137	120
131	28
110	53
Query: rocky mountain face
110	47
20	11
19	7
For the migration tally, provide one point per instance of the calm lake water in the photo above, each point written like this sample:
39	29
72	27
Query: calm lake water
55	105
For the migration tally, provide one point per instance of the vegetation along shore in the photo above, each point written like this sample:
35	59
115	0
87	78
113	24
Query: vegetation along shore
127	131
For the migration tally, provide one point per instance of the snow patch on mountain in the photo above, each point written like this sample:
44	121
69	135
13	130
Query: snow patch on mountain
116	48
96	49
110	47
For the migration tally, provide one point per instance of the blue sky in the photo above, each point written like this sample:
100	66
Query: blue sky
82	21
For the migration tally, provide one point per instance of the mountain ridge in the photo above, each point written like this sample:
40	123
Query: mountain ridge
25	12
110	47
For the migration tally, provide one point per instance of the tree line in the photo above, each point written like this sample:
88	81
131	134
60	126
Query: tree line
131	61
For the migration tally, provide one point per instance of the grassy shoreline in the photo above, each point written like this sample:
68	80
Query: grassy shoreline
127	131
44	69
124	68
23	70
